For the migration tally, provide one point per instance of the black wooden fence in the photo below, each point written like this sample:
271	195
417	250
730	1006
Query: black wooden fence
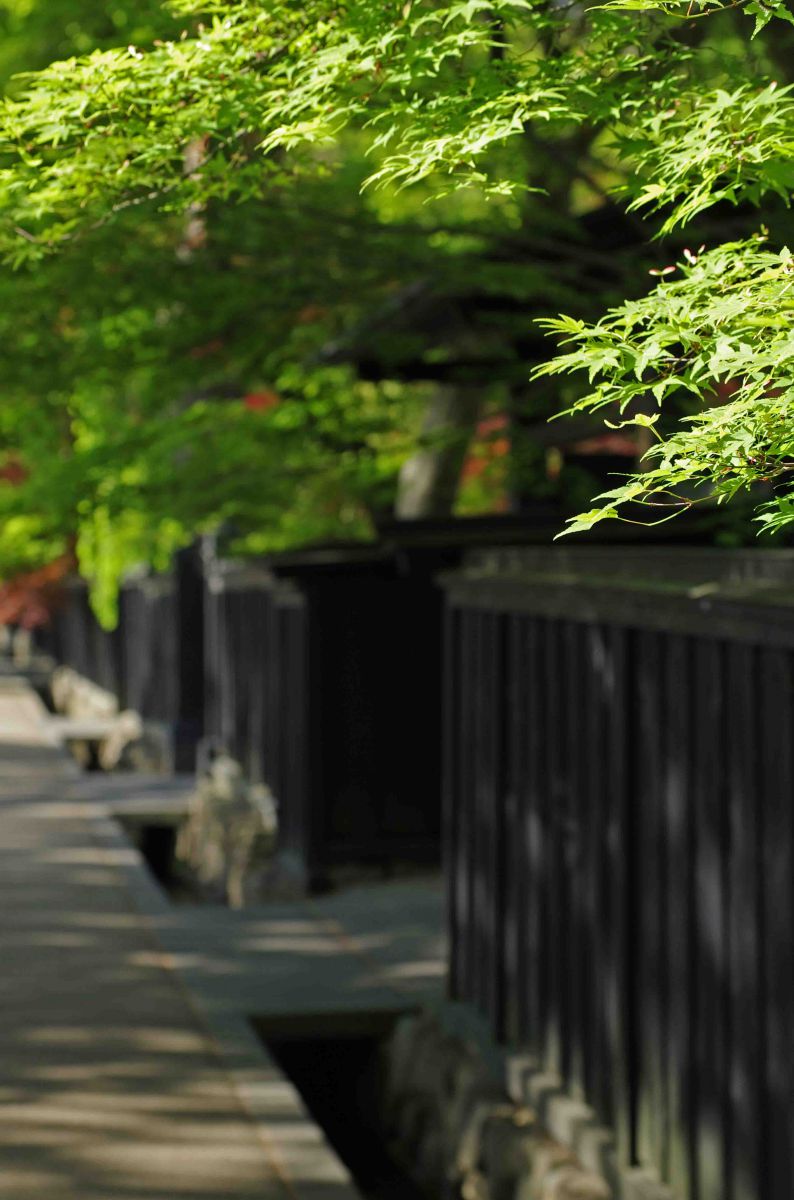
619	843
152	661
319	672
323	677
241	645
618	740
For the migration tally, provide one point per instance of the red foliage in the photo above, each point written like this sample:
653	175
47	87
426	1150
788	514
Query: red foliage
607	443
29	599
14	472
262	400
213	346
311	313
487	446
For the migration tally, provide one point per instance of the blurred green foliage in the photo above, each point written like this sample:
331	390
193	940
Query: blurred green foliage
243	246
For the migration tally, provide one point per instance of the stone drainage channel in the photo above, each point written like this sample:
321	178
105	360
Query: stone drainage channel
412	1110
335	1061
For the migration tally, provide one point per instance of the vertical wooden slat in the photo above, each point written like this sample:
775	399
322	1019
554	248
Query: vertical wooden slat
514	868
537	735
777	724
464	955
245	656
501	803
522	666
479	848
451	783
745	964
596	785
210	661
486	818
226	671
310	685
651	980
618	963
574	829
490	818
303	774
258	684
556	932
680	730
274	708
712	962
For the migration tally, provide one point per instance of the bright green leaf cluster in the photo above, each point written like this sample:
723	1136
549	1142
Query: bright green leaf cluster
213	167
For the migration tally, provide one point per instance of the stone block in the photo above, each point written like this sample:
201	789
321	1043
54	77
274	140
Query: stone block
230	825
507	1153
571	1183
463	1136
474	1187
74	696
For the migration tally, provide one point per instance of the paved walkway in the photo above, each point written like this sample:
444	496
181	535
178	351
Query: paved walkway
129	1069
375	946
113	1084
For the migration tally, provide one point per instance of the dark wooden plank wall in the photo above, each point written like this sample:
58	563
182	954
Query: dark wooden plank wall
241	667
291	778
190	666
213	683
776	784
619	850
79	642
153	660
258	704
147	629
136	661
241	683
254	622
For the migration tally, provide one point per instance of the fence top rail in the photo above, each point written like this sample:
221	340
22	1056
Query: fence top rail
152	586
238	575
150	583
641	565
739	594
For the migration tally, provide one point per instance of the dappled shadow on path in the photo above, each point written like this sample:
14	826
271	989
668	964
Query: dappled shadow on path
108	1086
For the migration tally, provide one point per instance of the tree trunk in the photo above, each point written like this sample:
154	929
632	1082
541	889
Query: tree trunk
428	481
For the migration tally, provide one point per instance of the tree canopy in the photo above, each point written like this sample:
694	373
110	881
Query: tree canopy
244	248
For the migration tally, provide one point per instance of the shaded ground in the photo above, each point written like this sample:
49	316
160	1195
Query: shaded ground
128	1065
372	946
109	1085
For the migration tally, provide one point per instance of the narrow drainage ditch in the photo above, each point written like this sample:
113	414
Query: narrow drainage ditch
333	1060
156	843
